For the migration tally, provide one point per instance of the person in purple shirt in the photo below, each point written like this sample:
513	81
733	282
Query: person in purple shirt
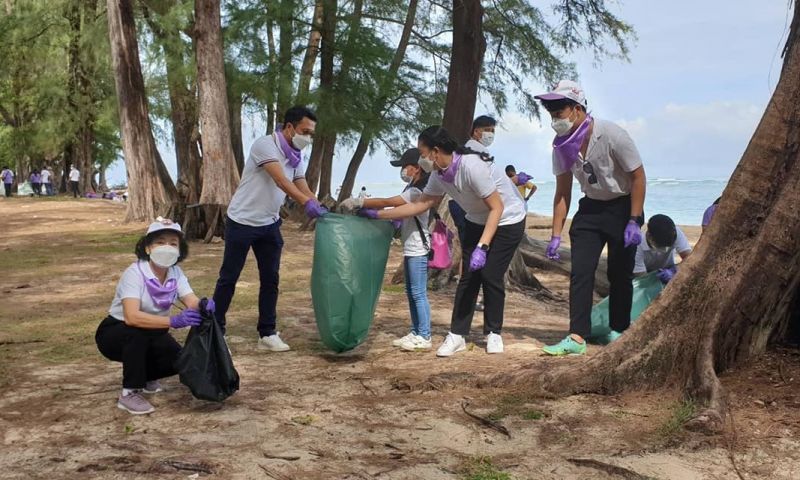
36	182
709	213
8	180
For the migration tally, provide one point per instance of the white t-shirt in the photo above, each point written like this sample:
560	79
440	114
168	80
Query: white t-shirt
649	260
612	155
258	199
45	176
74	175
131	285
409	232
476	146
475	180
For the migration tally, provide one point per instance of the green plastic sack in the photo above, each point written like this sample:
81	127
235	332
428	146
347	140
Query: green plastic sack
645	290
350	255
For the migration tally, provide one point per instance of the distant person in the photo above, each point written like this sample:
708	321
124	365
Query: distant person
610	214
495	226
663	240
363	193
46	181
8	180
416	246
74	178
522	181
274	169
709	213
136	330
36	182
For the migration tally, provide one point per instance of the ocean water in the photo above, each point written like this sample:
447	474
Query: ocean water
682	200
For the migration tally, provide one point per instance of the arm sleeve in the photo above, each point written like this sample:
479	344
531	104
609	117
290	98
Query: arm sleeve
638	265
264	151
624	151
131	284
557	170
682	243
434	187
183	284
480	179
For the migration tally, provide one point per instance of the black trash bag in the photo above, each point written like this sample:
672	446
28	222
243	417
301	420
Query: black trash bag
205	364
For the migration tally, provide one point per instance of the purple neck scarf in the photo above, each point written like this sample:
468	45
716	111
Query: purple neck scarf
448	175
566	148
292	154
163	296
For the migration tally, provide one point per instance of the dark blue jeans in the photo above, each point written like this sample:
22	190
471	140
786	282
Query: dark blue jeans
267	244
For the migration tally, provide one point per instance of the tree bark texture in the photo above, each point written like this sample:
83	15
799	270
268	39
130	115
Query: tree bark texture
286	70
466	60
379	106
151	191
310	56
220	175
236	132
736	290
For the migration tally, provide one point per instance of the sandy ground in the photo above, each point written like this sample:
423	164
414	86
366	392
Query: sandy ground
310	414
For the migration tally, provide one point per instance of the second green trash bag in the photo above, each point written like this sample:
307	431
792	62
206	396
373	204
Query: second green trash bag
645	290
350	255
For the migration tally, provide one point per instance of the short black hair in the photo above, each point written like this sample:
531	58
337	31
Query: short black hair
147	240
363	188
662	230
510	169
483	121
553	106
297	113
437	137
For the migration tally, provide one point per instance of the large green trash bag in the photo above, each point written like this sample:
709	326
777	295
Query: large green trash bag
645	290
350	256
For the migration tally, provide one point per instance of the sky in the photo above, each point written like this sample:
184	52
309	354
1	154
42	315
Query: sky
698	80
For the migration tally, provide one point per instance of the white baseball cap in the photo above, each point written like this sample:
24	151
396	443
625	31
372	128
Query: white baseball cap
164	224
565	89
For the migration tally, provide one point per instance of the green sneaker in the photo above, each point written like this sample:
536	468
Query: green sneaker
568	346
612	337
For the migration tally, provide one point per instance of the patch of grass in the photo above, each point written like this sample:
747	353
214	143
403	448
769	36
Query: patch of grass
515	404
533	415
394	288
482	468
303	419
681	412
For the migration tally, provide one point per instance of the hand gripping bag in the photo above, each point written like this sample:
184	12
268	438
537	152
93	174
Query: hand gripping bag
205	364
441	246
350	255
645	290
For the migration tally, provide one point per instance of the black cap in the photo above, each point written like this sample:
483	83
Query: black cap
409	157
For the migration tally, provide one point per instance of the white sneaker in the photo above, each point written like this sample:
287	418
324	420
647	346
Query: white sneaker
494	343
400	341
416	342
273	343
452	344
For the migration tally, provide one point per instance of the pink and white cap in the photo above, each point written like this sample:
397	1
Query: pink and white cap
565	89
164	224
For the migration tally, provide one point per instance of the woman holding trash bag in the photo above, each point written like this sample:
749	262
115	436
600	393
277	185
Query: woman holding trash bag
495	224
136	331
416	246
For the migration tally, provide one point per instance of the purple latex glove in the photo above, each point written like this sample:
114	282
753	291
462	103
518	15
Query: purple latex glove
477	260
367	213
633	234
314	209
188	317
666	274
523	178
211	307
552	248
397	224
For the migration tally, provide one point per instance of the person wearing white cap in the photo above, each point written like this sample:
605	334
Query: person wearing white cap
136	330
604	159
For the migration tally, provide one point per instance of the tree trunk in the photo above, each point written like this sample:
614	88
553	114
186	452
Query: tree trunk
236	131
220	175
735	291
379	106
286	70
310	57
151	192
466	59
272	77
103	182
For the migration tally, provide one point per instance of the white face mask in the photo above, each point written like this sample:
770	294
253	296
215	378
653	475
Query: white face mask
426	164
301	141
165	256
405	176
562	126
487	138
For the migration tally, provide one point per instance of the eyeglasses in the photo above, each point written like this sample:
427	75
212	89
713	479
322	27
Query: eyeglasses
589	170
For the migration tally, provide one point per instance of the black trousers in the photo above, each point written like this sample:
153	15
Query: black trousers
7	187
597	224
491	278
74	186
145	354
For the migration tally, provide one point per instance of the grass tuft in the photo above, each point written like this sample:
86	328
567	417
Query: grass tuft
482	468
681	413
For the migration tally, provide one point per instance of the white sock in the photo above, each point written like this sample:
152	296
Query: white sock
128	391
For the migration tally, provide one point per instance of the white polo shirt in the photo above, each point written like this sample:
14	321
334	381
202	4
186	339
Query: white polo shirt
413	246
131	285
475	180
258	199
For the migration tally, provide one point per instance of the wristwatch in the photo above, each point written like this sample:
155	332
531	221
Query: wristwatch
483	247
638	219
